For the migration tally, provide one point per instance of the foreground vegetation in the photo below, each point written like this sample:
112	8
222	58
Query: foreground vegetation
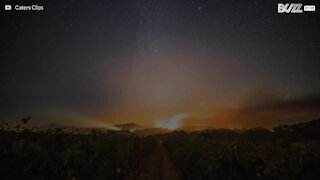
286	152
55	154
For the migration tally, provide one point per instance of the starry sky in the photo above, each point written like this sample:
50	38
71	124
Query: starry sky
159	63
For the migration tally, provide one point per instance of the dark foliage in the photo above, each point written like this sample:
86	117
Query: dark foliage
55	154
286	152
289	152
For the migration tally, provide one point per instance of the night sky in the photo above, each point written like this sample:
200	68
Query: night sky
160	63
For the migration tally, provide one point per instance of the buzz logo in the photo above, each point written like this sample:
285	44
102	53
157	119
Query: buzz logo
294	8
289	8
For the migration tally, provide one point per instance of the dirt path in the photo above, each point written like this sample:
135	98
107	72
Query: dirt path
159	166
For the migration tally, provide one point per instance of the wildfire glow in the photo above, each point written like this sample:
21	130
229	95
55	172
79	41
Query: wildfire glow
171	123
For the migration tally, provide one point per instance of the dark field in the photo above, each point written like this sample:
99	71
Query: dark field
285	152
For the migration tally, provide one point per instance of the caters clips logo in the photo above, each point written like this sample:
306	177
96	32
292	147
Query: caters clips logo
294	8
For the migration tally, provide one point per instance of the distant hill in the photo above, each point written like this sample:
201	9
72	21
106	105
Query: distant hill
195	128
69	129
152	131
303	130
299	131
128	126
124	129
53	126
